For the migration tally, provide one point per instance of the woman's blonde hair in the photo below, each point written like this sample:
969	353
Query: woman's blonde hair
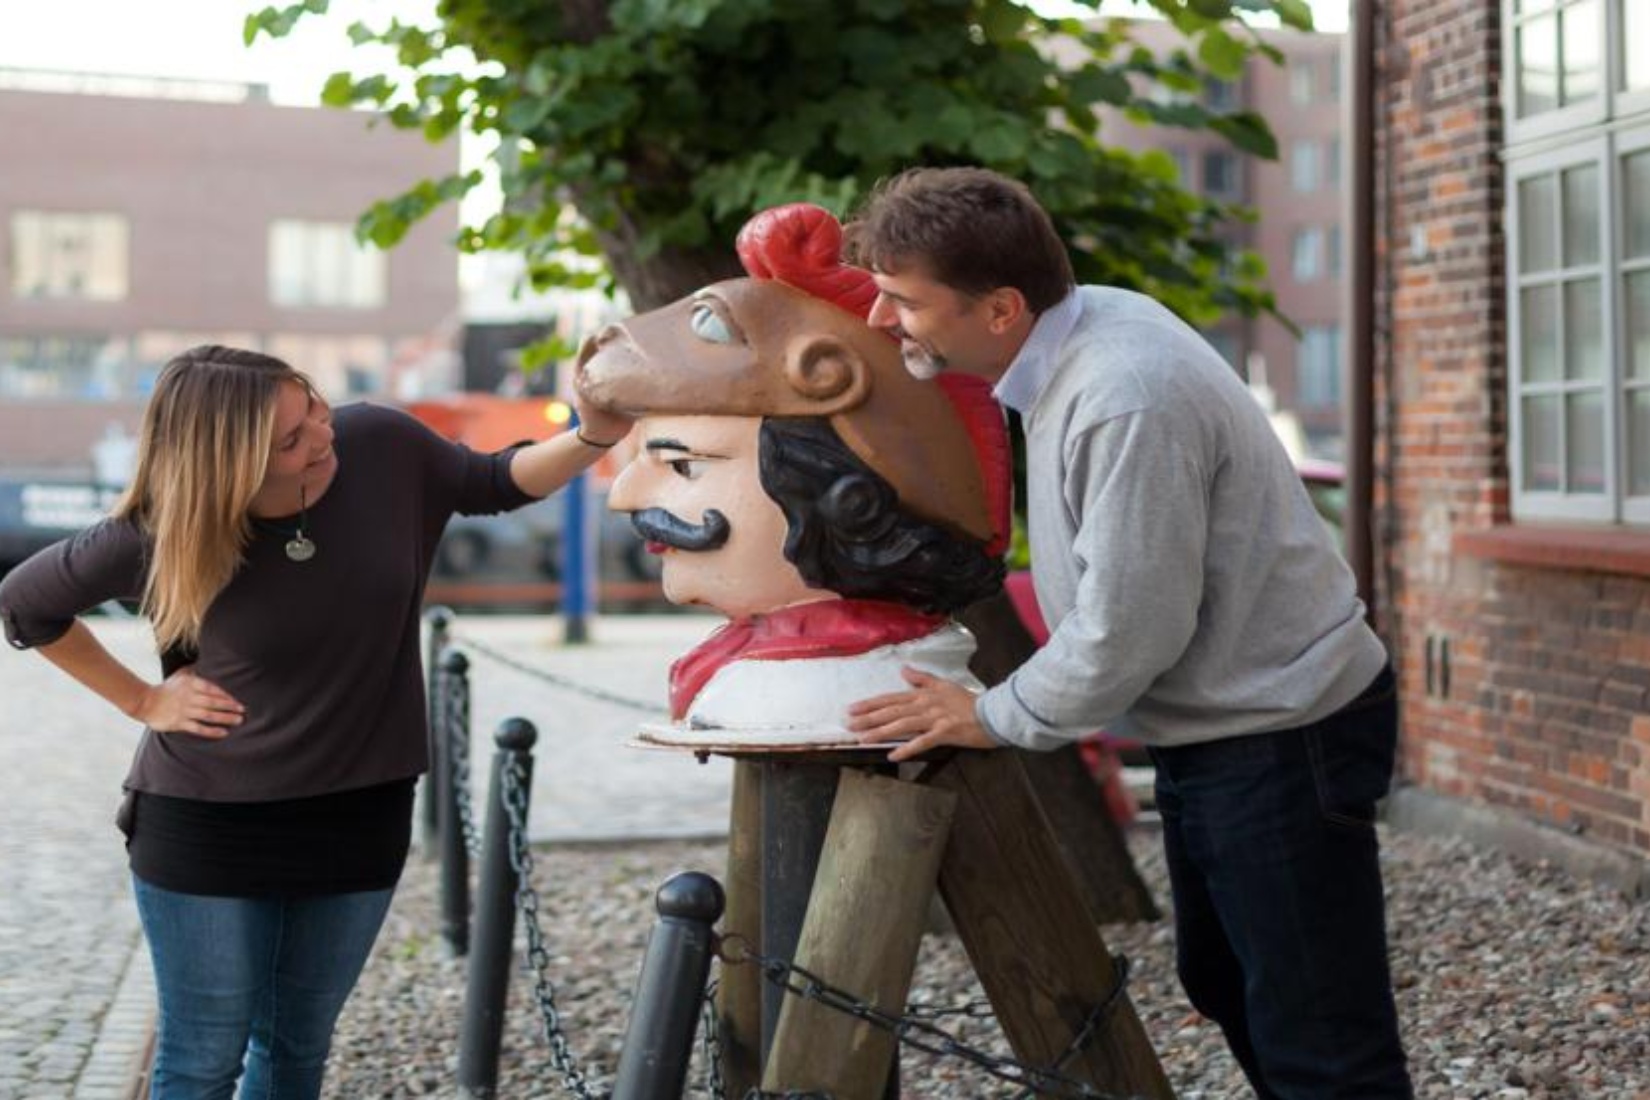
205	446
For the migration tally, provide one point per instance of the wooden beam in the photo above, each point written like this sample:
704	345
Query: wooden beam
1023	922
739	988
1088	835
864	925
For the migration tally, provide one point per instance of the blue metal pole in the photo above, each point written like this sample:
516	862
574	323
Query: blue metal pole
575	548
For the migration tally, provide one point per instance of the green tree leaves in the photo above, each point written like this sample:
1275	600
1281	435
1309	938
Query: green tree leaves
648	130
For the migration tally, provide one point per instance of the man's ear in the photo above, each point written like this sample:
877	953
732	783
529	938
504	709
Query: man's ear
826	371
1005	307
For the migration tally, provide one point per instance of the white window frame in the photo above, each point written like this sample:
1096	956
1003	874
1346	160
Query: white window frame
1624	102
1543	504
1634	509
1561	119
1601	132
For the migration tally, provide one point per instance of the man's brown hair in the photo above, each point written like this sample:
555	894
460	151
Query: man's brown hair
969	228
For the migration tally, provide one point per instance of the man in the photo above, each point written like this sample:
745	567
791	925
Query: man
1196	604
798	480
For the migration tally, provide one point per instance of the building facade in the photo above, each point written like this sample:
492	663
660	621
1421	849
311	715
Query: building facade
1512	396
140	218
1299	200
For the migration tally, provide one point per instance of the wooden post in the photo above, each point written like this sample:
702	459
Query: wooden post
1022	920
796	811
739	990
1091	840
876	874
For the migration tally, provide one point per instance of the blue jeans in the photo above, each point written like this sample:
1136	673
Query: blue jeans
1280	920
253	983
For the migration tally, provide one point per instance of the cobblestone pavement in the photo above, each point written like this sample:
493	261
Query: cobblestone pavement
75	987
76	991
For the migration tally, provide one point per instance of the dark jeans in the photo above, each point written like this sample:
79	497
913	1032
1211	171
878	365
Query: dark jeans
1279	917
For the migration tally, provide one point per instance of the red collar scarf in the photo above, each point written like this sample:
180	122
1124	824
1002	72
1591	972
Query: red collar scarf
827	628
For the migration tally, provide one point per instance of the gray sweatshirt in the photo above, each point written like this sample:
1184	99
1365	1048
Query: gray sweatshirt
1192	591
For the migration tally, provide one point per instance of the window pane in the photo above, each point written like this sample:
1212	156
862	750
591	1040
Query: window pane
1583	330
1306	260
1540	334
1302	88
1638	324
1525	7
1537	66
1635	173
1538	224
1584	439
68	256
1303	166
1581	235
1635	25
1541	463
1582	70
1638	443
1219	173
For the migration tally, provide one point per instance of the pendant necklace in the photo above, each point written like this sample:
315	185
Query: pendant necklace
300	547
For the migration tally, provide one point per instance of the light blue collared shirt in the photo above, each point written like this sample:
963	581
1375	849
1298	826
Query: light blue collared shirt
1034	365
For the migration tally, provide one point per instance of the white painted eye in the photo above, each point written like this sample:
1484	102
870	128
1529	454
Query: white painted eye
709	325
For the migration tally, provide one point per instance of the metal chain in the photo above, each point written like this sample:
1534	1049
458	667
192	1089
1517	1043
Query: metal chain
455	720
538	957
566	683
710	1040
921	1035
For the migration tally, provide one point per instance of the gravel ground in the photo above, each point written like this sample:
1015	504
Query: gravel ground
1514	980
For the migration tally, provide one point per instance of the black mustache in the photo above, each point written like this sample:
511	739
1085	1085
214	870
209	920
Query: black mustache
659	525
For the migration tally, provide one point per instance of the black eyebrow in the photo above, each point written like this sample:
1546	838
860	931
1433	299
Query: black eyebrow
668	445
653	446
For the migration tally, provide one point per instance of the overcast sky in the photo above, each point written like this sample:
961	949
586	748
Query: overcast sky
202	38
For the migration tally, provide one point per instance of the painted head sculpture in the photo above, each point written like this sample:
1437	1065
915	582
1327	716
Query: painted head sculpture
796	478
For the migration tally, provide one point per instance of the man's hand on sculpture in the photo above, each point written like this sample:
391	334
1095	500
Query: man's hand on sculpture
935	713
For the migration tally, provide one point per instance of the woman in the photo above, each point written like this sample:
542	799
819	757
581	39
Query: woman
280	550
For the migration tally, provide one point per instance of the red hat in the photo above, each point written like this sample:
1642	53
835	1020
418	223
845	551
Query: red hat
800	245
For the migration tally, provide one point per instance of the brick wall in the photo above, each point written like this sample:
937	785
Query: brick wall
1524	688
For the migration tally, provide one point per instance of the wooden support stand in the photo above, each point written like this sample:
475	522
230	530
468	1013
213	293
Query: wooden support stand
970	824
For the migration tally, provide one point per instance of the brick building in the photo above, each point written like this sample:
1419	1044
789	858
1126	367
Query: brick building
140	217
1511	407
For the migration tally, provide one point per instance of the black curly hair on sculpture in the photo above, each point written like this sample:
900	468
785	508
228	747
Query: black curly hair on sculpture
846	531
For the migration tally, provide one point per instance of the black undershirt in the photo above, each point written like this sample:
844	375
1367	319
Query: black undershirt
337	843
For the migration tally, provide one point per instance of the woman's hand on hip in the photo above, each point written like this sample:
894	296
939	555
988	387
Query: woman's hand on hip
186	703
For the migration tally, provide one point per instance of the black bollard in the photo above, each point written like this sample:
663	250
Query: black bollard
440	620
455	856
658	1044
488	981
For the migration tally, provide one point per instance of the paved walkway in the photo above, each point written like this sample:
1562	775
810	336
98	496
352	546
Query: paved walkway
76	992
75	986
